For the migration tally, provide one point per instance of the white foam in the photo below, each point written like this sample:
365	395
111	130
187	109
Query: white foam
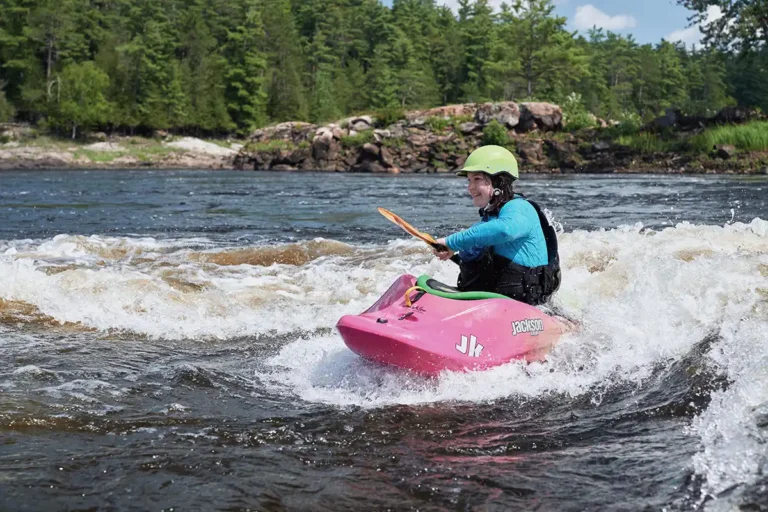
644	298
130	285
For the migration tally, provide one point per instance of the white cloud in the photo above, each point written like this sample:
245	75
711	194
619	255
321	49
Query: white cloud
588	16
692	35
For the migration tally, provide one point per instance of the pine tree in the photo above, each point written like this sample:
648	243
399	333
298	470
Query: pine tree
380	80
476	29
415	84
6	109
446	56
246	72
350	86
19	63
546	52
747	78
144	67
671	90
287	99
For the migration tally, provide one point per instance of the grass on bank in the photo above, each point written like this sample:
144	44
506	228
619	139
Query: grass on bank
271	145
149	153
647	143
745	137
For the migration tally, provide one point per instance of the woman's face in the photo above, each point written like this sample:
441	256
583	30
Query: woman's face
480	188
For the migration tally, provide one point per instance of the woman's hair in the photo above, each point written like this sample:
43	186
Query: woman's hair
504	184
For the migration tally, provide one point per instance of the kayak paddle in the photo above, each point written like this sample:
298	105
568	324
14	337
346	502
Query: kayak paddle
415	232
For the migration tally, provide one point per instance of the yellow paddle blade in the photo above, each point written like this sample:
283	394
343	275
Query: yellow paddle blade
407	227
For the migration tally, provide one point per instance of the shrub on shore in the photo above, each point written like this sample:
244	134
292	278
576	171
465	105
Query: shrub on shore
495	134
357	140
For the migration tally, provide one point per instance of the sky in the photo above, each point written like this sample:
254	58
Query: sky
647	20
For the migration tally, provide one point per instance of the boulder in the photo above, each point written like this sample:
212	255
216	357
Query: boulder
359	123
361	119
542	116
281	156
261	160
308	165
369	166
467	128
371	151
324	132
386	157
532	152
417	122
692	122
323	135
297	156
339	132
724	151
507	113
600	146
325	148
665	122
294	131
282	167
560	151
198	146
733	115
462	109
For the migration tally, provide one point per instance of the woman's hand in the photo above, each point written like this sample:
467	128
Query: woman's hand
443	255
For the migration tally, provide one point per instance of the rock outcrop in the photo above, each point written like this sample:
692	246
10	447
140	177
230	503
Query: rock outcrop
434	140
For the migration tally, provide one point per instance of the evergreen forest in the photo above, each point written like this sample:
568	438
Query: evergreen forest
229	66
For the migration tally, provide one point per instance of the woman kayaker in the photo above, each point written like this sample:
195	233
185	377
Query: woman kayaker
513	249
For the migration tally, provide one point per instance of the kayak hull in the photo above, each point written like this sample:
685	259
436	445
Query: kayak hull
435	334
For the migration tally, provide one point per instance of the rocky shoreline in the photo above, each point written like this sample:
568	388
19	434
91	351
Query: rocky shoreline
429	141
438	140
104	152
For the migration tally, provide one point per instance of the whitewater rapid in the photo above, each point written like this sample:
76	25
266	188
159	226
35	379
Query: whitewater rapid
644	298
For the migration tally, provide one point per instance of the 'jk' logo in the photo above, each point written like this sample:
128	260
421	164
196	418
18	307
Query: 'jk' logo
474	347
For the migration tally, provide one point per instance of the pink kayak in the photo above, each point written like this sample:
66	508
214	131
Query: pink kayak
427	327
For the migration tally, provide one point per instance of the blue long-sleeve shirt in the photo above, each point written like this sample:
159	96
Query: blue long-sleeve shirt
515	234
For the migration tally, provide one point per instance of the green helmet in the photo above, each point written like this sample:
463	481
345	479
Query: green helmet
491	160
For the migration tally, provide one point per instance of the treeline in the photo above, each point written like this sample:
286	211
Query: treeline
220	66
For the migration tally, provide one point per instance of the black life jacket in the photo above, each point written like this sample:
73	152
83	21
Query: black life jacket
494	273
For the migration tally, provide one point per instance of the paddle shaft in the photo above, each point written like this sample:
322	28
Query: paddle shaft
441	248
418	234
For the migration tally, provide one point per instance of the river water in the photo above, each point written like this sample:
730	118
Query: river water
167	342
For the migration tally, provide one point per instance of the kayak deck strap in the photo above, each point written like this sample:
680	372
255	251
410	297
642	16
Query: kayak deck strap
434	287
